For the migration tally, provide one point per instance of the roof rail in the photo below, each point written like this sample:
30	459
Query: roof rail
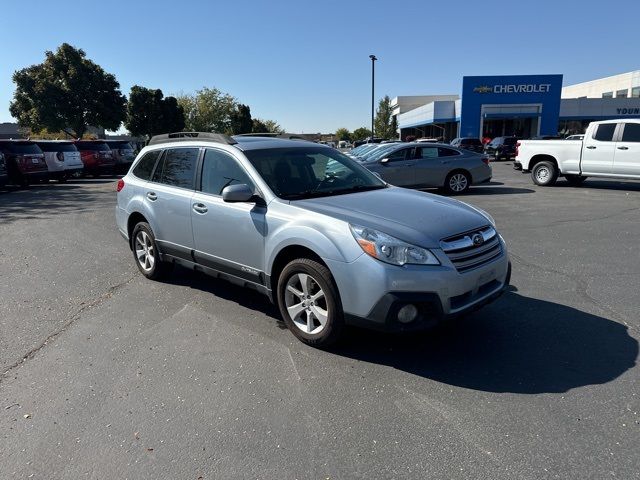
190	136
290	136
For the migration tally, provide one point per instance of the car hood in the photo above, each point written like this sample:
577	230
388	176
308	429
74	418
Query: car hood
419	218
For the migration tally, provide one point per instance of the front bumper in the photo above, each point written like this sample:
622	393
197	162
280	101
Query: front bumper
372	292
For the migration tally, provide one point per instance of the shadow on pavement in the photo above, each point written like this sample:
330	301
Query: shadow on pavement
518	345
600	184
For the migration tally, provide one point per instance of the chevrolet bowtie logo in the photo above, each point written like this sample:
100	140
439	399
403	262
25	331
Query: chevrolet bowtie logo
483	89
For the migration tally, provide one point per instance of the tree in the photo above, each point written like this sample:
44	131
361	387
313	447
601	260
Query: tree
258	126
383	121
148	113
360	133
343	134
266	126
241	121
208	110
67	91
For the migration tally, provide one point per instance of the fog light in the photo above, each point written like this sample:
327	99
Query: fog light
407	314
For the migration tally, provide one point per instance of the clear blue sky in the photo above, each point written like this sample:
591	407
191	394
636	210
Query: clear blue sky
306	64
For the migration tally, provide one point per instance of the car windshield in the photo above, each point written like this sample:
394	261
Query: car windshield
307	172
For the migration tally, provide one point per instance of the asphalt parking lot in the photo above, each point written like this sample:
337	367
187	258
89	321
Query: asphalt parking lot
109	375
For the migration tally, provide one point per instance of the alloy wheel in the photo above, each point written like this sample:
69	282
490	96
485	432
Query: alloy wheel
458	182
306	303
145	252
543	174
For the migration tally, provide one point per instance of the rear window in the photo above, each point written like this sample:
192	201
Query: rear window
24	148
120	145
96	147
471	141
57	147
604	132
510	141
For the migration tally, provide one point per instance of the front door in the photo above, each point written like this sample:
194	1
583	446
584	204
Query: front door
229	237
626	160
598	150
433	165
398	169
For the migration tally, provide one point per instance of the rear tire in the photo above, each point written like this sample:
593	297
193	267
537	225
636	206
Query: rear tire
544	174
309	302
146	253
457	182
575	180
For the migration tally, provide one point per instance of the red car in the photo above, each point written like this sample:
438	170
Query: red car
25	162
97	157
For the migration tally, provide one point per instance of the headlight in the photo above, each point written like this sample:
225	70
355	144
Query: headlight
389	249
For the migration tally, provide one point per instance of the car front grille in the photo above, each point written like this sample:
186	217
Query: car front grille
465	254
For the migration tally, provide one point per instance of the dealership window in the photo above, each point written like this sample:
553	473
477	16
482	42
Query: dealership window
604	132
622	93
607	95
631	132
635	92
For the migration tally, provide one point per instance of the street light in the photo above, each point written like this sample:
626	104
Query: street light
373	77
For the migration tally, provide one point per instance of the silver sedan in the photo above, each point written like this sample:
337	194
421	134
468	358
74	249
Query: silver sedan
438	165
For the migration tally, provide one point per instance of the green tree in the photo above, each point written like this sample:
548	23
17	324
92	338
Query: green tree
266	126
148	113
208	110
67	91
343	134
241	121
258	126
384	119
360	133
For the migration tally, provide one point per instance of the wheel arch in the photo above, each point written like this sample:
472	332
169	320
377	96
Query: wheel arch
132	221
542	157
286	255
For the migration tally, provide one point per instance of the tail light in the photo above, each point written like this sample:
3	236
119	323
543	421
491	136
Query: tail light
485	160
60	156
120	185
517	148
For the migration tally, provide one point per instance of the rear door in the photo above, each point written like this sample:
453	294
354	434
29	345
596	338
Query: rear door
398	169
598	149
168	197
626	160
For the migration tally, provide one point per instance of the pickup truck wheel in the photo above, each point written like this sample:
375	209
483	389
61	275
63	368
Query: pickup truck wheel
457	182
309	302
575	180
544	174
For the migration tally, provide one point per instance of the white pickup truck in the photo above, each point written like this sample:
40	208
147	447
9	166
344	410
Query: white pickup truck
610	149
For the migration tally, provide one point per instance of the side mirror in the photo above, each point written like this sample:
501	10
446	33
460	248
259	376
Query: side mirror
384	160
237	193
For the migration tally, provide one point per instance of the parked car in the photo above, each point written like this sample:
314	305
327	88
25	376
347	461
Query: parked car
62	158
438	165
97	157
610	149
468	143
4	176
428	140
336	249
122	153
24	162
501	148
575	137
546	137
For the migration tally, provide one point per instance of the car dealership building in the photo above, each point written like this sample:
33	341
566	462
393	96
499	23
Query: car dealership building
521	105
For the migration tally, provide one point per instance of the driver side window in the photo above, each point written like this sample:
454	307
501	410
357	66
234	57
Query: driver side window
398	155
219	170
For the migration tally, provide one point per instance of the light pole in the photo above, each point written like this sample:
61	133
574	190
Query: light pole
373	79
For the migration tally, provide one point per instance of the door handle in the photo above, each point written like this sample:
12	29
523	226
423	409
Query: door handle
591	147
200	208
623	148
152	196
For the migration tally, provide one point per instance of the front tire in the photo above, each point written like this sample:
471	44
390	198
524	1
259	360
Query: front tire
146	253
309	302
457	182
544	174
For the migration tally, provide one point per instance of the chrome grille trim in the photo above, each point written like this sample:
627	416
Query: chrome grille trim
465	255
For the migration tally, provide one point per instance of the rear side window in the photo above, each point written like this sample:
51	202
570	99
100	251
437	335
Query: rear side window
219	170
24	148
631	132
447	152
426	152
93	146
57	147
145	165
178	167
604	132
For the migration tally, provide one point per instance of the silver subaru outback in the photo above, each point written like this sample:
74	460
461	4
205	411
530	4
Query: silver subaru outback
324	238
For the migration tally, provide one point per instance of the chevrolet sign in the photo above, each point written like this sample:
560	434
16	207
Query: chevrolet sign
531	88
